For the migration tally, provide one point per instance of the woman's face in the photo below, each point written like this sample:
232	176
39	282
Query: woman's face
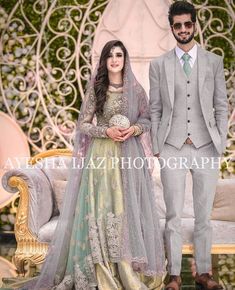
115	60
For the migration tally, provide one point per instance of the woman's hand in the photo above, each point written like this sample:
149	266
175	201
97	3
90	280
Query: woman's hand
126	133
115	133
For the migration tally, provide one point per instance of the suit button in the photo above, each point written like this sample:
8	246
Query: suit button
188	82
188	95
188	121
189	134
188	108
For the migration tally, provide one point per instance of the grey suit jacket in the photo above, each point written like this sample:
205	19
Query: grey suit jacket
212	95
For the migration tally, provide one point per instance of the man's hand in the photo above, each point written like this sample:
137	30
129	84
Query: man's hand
115	133
157	155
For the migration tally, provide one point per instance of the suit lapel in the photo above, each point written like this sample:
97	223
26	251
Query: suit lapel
170	71
170	74
202	67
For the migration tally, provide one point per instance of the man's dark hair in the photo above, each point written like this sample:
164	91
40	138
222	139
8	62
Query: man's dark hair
179	8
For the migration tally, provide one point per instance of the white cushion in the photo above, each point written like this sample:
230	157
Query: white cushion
46	232
224	203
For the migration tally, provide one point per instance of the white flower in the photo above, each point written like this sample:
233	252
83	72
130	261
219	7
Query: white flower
21	69
10	77
11	218
4	217
24	61
6	69
6	37
24	50
31	63
18	52
14	25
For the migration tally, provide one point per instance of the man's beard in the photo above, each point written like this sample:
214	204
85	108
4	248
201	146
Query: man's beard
184	41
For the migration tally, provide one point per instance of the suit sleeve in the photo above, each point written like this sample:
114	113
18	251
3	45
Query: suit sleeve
155	104
221	103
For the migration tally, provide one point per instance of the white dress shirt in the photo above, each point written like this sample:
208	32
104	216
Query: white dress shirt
192	52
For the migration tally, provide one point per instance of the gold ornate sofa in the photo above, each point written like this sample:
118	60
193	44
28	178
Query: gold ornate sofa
41	191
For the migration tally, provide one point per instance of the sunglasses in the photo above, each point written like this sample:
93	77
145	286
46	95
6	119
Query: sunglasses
187	24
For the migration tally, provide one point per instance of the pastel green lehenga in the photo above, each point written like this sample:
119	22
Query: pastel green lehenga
97	226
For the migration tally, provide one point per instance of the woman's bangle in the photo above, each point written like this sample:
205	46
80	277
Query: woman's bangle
137	130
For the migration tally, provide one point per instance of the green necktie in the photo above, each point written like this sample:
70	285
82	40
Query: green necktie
186	67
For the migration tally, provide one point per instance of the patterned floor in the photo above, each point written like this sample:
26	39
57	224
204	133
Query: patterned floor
223	265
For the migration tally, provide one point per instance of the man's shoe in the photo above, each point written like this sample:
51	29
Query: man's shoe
206	282
174	283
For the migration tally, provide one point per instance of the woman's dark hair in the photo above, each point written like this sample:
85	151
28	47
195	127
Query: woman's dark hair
179	8
102	81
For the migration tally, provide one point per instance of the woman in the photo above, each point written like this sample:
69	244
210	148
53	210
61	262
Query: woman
108	235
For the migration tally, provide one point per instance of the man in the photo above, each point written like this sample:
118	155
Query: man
189	122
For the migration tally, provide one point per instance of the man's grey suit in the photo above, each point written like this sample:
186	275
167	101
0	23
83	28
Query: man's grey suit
194	107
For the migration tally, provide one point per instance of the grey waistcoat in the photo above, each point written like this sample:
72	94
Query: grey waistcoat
187	119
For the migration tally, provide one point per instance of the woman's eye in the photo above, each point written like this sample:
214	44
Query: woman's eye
119	55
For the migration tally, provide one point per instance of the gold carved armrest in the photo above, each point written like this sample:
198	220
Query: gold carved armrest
28	247
25	181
